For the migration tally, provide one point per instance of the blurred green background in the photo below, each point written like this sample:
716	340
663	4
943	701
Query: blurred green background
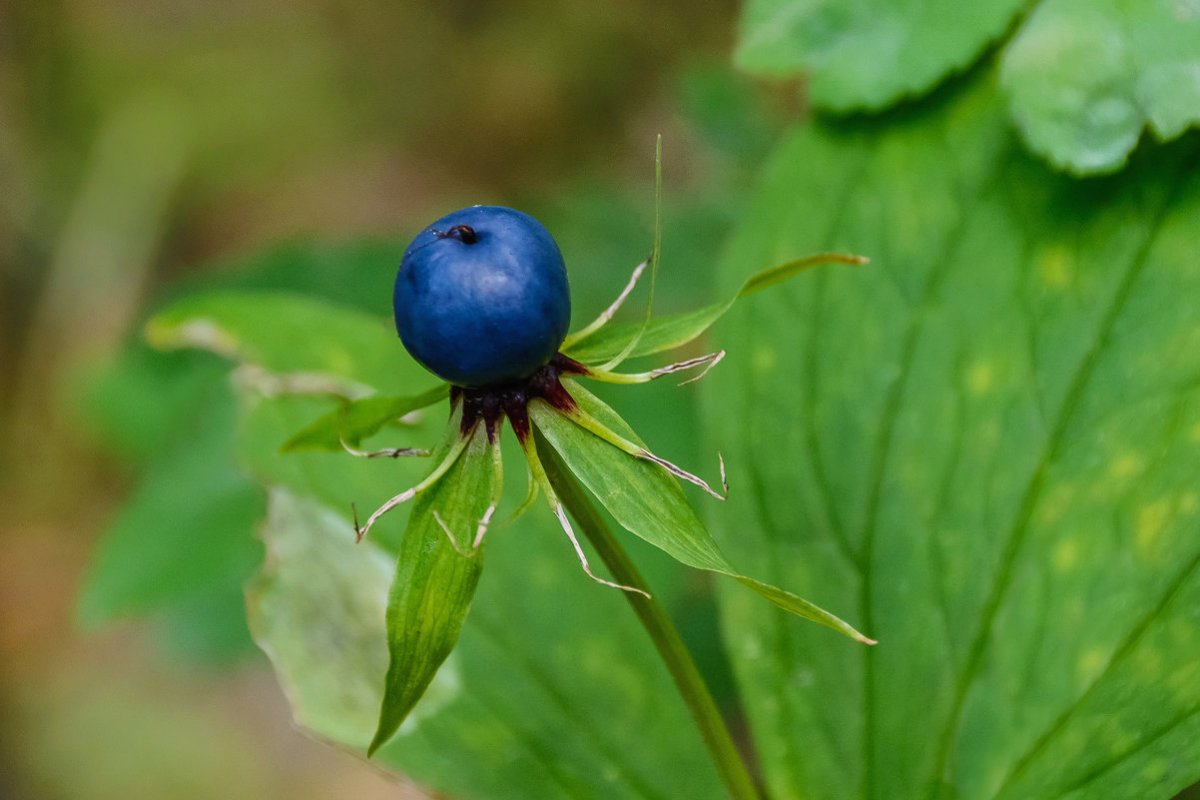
147	141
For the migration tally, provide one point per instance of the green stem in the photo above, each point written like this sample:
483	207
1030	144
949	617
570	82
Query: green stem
654	619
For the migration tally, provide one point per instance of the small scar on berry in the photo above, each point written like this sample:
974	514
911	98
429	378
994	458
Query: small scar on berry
492	404
464	233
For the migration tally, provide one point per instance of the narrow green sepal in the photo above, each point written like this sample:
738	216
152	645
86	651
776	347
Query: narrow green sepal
436	575
675	330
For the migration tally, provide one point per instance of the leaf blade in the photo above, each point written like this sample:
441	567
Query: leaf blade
435	581
868	54
535	720
355	420
302	616
648	502
353	356
941	429
675	330
1085	79
152	557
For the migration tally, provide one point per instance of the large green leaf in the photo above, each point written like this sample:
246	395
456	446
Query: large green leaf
1087	76
867	54
985	444
647	501
138	402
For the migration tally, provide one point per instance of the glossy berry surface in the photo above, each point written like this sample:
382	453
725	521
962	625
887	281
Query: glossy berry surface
481	297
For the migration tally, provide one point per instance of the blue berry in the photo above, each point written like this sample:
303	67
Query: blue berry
481	297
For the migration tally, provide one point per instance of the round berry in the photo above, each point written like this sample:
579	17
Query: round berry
481	297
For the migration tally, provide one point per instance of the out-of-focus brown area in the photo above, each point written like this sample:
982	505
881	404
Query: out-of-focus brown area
143	139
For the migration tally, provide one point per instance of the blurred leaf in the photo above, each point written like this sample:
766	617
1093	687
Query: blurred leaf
307	345
729	112
868	54
322	628
675	330
435	578
1086	76
186	529
143	398
986	444
647	501
171	414
337	480
356	273
355	420
210	626
606	230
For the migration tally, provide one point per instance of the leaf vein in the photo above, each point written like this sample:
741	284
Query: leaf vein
1065	414
1126	646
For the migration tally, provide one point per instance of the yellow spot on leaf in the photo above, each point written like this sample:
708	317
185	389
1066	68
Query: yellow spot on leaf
1091	662
1152	518
764	359
1066	555
1126	466
980	377
1155	770
1057	268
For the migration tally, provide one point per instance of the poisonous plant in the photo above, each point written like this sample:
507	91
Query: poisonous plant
481	301
983	445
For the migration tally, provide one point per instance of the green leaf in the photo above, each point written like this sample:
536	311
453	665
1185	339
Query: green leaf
867	54
209	626
1085	77
985	446
323	629
187	528
648	502
303	345
170	415
675	330
355	420
548	680
143	398
435	578
336	479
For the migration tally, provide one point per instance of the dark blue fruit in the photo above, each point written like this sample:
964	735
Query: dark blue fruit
481	297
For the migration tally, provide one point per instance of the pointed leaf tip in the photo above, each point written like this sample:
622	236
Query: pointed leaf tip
614	343
435	578
645	499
